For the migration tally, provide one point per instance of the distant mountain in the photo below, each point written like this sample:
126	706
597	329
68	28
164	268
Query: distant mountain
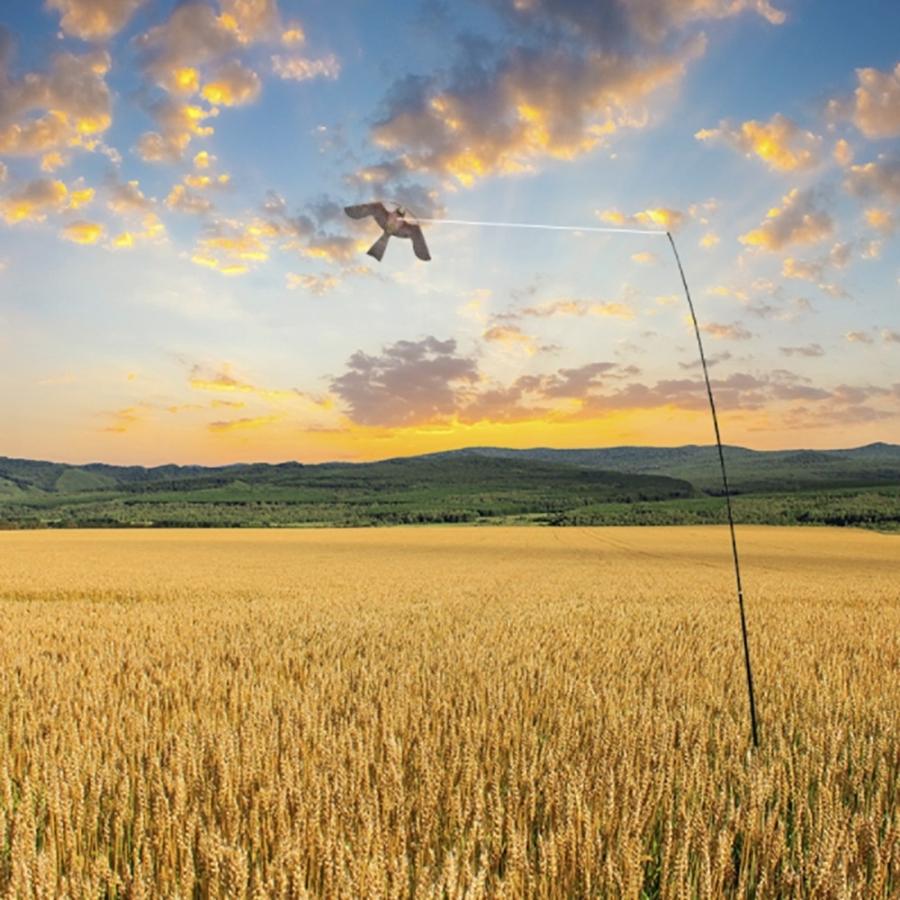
748	470
413	489
624	485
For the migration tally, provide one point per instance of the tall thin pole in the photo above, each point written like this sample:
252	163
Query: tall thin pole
734	550
709	393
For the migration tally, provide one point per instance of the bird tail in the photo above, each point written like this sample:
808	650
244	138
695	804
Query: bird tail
377	249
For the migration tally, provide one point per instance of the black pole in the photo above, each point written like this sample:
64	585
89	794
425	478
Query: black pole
734	550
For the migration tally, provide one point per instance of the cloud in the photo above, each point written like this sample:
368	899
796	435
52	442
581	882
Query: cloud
332	248
391	179
871	249
83	232
72	100
231	247
797	221
174	56
203	160
304	233
843	153
816	270
601	23
568	307
293	35
252	20
511	336
183	199
152	229
709	240
123	420
780	143
654	218
808	350
243	424
859	337
35	201
880	179
410	382
192	36
875	106
712	359
126	198
232	85
645	258
732	332
93	20
178	124
302	68
889	336
312	284
223	380
880	220
531	105
577	382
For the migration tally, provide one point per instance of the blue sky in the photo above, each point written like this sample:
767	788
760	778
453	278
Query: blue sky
178	282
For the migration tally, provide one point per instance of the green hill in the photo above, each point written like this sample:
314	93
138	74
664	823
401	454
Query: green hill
617	485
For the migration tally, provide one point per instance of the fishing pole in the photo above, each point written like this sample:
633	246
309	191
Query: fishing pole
709	393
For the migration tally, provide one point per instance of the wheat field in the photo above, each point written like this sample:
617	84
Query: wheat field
447	712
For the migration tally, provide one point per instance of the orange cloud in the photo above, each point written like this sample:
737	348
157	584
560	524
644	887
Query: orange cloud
780	143
645	258
35	201
152	229
875	106
222	380
518	113
127	198
203	160
179	123
73	101
796	221
93	20
879	179
233	85
244	424
123	420
843	153
511	336
733	332
83	232
231	247
566	307
313	284
880	220
655	218
293	35
183	199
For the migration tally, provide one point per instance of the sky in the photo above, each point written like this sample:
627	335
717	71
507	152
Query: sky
179	283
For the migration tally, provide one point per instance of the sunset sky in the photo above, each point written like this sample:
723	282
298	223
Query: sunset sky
178	282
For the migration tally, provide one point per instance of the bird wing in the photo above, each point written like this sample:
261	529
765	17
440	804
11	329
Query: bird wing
376	210
420	248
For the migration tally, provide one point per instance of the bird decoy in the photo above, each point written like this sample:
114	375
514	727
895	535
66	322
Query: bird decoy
394	222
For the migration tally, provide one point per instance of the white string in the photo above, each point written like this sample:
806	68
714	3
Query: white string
544	227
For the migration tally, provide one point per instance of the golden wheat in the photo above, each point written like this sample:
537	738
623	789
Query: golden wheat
447	713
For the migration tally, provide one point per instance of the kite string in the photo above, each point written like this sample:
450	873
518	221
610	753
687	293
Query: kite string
592	228
709	391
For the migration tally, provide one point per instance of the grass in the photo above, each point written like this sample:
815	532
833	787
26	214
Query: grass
447	712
